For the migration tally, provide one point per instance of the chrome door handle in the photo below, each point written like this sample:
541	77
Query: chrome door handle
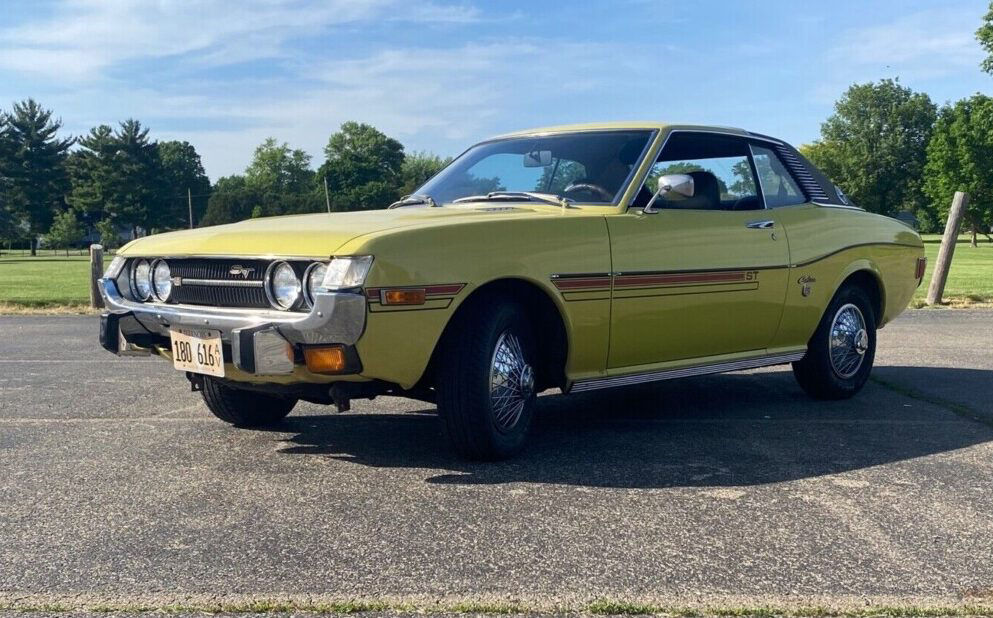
760	225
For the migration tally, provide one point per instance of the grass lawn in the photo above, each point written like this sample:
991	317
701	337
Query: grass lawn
970	279
47	280
52	280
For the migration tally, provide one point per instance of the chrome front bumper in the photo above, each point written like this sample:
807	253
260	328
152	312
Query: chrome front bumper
336	317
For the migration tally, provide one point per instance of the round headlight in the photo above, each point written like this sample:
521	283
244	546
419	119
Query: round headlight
162	280
283	285
141	280
315	278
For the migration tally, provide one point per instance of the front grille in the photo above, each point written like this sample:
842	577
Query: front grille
210	282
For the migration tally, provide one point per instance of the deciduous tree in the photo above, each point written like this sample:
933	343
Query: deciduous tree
363	168
183	178
417	168
66	231
985	37
277	169
960	158
874	145
231	199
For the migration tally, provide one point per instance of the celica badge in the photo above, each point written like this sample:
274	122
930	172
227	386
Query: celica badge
238	269
805	282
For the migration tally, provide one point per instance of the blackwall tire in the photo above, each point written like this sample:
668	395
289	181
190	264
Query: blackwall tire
842	350
486	387
243	408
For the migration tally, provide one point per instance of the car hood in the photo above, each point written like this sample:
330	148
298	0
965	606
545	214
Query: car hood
314	235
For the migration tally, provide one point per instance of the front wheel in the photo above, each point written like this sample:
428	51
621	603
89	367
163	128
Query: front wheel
841	352
486	382
244	408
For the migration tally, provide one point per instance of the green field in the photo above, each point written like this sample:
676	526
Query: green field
51	281
970	279
45	281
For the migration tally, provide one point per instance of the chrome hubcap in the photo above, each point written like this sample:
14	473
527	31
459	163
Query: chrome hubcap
511	382
849	341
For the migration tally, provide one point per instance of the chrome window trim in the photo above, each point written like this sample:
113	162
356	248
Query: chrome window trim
745	138
806	198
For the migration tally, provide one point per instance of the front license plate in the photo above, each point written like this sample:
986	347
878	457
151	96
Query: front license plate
197	350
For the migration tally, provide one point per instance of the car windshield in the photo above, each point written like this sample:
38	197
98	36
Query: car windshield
587	167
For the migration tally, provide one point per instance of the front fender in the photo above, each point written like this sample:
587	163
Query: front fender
398	342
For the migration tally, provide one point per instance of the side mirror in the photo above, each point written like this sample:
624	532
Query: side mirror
671	186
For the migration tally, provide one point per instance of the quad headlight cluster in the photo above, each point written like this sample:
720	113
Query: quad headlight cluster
151	280
286	290
287	285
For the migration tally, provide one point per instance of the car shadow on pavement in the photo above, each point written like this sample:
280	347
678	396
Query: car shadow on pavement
725	430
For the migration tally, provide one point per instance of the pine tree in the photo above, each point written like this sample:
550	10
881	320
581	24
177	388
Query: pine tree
8	223
37	178
137	182
91	170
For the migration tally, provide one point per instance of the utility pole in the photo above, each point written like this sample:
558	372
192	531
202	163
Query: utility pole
189	202
937	288
327	196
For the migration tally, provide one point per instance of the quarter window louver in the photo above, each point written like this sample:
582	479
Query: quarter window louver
803	176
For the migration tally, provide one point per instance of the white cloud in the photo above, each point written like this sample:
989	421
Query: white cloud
921	45
430	97
85	37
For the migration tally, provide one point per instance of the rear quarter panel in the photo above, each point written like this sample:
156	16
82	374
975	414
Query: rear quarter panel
829	244
398	342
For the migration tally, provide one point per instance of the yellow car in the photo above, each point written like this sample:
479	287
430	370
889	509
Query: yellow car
576	257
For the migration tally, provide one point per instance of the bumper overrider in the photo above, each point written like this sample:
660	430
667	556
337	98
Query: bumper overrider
257	338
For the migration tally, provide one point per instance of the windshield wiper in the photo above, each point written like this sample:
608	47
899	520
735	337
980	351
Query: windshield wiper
531	196
414	199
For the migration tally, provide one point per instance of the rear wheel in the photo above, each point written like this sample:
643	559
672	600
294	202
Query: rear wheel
841	352
486	381
243	408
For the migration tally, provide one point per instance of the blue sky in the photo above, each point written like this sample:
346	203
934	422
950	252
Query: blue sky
439	75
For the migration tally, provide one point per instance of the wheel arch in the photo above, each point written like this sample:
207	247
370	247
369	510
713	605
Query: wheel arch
551	325
866	275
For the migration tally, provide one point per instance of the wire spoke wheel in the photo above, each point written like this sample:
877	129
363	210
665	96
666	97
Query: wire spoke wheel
848	341
511	382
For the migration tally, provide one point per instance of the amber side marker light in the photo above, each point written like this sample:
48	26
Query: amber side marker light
410	296
330	359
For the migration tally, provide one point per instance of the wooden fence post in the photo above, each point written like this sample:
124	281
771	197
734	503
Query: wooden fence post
96	271
947	249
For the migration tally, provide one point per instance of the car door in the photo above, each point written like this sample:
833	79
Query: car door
700	277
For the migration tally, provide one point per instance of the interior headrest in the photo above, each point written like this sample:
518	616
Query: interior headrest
706	193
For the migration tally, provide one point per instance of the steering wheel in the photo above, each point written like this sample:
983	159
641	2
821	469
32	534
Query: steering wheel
591	188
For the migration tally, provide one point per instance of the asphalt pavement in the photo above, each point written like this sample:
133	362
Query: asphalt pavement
117	486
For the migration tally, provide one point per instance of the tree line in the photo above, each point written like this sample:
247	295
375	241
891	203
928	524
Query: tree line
115	182
891	149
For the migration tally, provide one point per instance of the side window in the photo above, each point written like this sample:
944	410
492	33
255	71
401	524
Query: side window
722	174
778	186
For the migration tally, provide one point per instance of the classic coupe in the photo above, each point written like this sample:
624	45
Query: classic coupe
575	257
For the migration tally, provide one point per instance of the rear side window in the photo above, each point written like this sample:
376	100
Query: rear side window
778	186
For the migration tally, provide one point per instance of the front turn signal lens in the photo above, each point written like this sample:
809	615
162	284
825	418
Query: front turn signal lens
329	359
415	296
